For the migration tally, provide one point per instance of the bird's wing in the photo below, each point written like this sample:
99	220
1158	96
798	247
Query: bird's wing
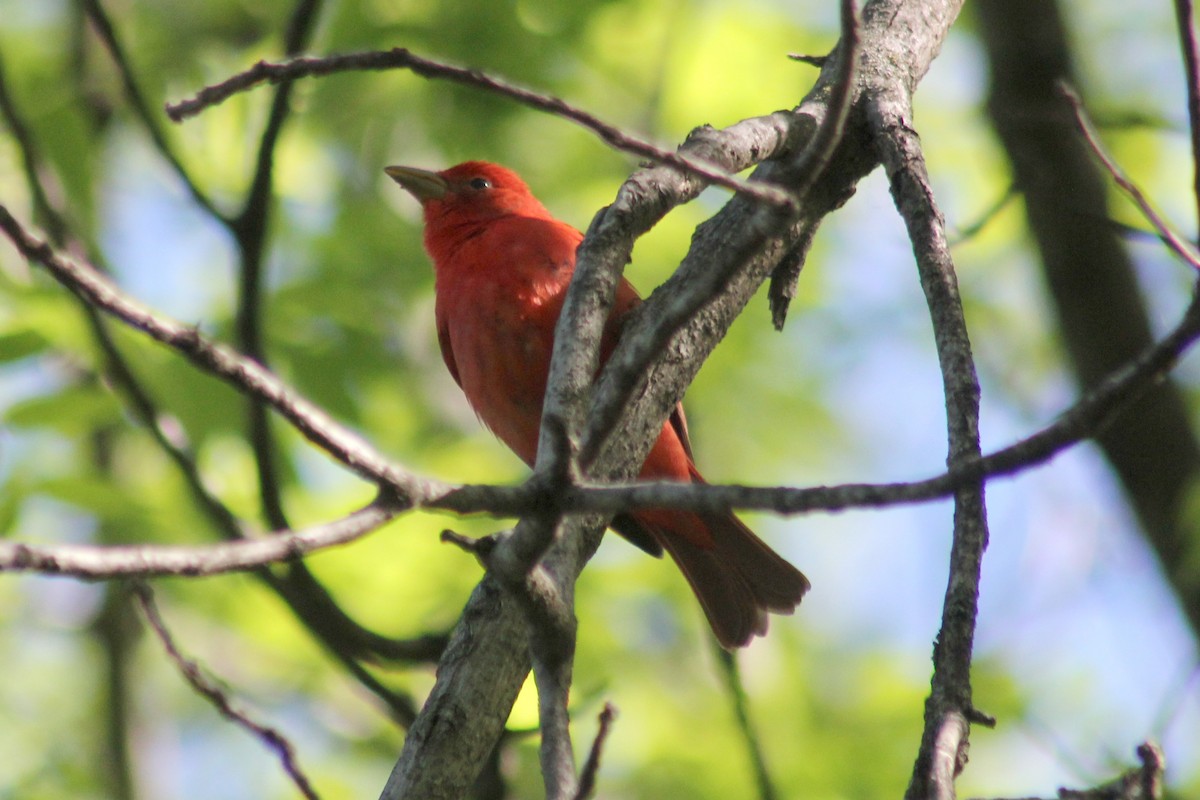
679	424
443	334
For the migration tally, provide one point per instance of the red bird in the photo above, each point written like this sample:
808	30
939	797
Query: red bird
502	266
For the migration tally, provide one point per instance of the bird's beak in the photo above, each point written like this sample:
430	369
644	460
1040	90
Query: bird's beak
420	183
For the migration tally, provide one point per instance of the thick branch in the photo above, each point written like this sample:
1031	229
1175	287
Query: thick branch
948	710
478	678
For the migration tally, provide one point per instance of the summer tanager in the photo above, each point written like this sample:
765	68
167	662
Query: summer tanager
502	266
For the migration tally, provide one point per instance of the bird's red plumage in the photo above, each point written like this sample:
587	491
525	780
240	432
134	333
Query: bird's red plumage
502	266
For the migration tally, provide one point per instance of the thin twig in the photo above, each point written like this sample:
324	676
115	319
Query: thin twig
591	767
102	562
811	60
812	160
1173	240
210	691
32	164
133	93
1137	783
402	58
972	230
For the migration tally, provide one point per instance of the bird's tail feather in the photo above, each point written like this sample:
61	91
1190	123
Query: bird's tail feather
737	579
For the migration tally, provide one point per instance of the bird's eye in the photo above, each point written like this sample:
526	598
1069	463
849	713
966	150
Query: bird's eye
479	184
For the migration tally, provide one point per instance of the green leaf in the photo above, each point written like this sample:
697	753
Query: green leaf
18	344
74	410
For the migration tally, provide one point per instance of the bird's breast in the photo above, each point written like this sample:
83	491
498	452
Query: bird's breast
499	294
501	335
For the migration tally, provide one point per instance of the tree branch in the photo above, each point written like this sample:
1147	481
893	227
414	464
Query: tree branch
97	562
116	633
1185	15
345	638
815	157
727	663
246	375
591	767
402	58
211	692
478	679
1087	418
1168	236
948	710
1137	783
547	596
133	93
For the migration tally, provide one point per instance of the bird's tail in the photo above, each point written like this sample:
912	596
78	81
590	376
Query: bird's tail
736	577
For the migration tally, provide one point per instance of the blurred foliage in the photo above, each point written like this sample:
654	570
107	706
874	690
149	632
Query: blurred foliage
348	321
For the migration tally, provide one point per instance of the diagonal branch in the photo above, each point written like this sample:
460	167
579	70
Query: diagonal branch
402	58
591	767
703	276
1168	236
727	664
345	638
1090	275
347	447
133	93
815	157
211	692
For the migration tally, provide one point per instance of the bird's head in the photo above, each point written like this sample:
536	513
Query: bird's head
471	192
